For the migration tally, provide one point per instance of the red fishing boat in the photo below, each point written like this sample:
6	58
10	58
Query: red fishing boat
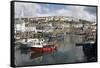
48	48
41	46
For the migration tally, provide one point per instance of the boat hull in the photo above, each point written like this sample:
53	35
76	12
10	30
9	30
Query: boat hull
48	48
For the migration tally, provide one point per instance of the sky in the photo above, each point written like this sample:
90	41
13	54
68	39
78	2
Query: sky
39	10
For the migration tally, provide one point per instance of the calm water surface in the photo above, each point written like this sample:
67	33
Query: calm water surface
66	52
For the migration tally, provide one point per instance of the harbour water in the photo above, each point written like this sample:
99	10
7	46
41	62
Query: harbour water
67	52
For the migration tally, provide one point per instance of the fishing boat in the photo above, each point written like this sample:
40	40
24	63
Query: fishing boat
86	44
39	45
89	49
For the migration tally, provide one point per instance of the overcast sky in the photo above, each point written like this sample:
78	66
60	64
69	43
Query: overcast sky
37	9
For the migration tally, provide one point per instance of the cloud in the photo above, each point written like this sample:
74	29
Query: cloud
77	12
26	9
91	10
33	9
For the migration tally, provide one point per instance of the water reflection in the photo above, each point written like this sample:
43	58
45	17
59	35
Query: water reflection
67	52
